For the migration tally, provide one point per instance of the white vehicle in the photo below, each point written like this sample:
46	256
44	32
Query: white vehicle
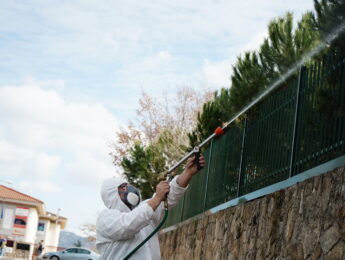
75	253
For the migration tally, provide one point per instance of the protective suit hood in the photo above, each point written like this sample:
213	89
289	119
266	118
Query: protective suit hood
119	230
110	194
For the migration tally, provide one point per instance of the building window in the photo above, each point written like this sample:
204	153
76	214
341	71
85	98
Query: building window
21	246
40	227
20	222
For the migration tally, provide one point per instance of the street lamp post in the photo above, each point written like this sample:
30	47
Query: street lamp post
58	215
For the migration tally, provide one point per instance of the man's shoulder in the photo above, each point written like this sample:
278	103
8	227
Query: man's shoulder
106	212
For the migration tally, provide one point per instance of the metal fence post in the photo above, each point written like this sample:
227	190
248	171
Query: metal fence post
207	173
296	117
240	172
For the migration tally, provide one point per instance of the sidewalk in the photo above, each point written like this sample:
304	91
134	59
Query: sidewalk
10	258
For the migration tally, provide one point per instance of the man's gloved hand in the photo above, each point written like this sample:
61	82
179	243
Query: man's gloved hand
191	166
162	189
190	170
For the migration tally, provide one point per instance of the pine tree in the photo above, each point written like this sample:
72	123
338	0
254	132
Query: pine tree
330	16
286	45
142	167
248	79
208	120
254	71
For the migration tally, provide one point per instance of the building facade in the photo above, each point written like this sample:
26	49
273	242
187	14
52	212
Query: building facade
24	222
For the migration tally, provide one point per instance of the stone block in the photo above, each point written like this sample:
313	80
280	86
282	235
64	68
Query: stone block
337	252
329	238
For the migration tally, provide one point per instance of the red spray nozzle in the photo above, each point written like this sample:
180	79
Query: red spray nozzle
219	131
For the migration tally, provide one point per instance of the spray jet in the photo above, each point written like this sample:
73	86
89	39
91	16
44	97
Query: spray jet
220	130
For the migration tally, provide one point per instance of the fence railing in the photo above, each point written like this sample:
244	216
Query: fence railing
297	127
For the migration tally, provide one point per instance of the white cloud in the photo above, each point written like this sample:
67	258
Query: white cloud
86	169
41	185
161	62
86	35
54	84
255	42
43	165
41	135
13	157
217	74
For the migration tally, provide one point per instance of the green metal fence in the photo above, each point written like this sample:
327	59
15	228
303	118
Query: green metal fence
297	127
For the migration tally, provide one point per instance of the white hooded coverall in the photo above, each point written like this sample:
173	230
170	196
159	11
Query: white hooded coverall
119	230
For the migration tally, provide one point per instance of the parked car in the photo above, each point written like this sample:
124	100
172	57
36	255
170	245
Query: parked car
75	253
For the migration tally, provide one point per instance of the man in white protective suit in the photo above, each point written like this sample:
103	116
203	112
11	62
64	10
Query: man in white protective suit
127	221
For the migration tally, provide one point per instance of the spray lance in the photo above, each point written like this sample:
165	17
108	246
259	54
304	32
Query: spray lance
196	151
169	176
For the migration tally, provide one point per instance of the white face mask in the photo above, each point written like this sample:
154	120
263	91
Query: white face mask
131	196
133	199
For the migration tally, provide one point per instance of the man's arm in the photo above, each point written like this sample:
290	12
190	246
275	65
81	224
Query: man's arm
178	186
183	179
115	225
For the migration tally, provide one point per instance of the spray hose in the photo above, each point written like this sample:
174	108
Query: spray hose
166	211
149	236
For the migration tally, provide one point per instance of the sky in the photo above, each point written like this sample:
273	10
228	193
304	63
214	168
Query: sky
71	73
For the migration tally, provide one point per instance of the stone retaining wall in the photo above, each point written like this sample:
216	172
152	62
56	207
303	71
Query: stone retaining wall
305	221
